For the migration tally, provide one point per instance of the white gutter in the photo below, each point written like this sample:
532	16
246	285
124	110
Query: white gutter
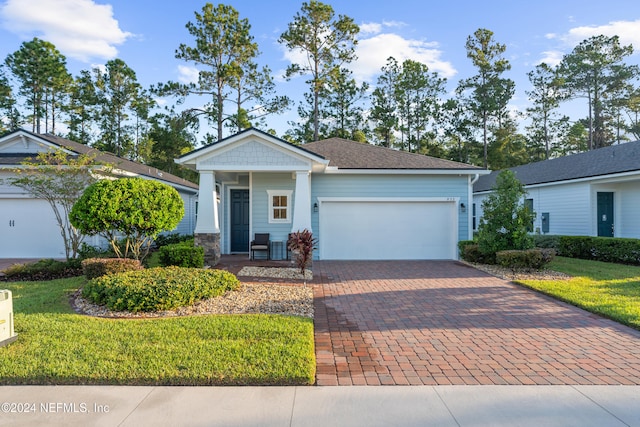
470	207
407	172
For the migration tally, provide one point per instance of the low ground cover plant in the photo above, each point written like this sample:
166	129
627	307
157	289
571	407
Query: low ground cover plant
55	345
158	289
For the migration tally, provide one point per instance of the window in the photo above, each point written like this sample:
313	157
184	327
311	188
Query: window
279	205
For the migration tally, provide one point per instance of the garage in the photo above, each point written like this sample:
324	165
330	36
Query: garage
388	228
29	230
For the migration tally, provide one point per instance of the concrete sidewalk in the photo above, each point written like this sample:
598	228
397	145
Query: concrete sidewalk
582	406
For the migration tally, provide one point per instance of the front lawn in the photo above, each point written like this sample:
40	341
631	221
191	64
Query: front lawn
58	346
612	290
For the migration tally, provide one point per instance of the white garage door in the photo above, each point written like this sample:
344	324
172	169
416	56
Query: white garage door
28	229
388	229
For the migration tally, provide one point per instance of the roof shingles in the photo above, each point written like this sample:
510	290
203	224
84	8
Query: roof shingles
346	154
603	161
103	157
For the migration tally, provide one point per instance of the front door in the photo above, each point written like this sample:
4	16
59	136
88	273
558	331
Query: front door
239	220
605	214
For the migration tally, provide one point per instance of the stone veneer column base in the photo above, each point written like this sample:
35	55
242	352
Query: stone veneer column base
211	244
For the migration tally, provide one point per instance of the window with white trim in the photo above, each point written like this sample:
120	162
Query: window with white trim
279	206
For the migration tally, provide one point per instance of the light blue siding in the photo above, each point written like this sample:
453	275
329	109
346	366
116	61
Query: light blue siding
260	203
629	207
572	207
188	223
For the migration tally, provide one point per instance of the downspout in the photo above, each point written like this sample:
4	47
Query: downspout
470	211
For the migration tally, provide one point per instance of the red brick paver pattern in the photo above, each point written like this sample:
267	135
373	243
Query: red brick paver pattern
442	322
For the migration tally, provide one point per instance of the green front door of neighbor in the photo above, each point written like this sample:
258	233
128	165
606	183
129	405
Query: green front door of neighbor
605	214
239	220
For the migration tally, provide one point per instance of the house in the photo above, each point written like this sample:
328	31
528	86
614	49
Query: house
596	193
28	227
362	202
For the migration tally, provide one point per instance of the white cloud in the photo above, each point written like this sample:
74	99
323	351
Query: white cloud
373	53
376	27
628	31
187	74
79	29
551	57
370	28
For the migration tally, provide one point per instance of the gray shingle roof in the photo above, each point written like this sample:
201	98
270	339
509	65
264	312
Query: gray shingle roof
345	154
102	157
603	161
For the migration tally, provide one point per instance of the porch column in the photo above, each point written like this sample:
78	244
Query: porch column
302	202
207	232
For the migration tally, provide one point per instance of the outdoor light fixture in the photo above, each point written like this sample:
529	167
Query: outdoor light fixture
315	207
463	207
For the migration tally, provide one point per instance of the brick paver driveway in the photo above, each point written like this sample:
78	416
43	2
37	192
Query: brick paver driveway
441	322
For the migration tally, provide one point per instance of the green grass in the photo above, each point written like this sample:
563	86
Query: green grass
57	346
612	290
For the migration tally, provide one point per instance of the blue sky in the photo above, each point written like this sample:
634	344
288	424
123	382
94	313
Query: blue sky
145	34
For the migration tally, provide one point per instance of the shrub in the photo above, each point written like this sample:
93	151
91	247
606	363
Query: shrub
505	221
183	254
171	239
546	241
45	269
302	243
471	253
137	208
158	289
463	243
530	259
97	267
607	249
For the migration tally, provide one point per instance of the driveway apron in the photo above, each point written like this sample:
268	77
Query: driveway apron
443	322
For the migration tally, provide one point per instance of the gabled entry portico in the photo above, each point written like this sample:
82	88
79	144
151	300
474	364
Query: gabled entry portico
251	183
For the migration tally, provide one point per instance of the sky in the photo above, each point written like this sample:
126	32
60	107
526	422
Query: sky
145	34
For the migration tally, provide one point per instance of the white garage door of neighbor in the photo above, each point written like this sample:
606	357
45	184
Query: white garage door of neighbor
28	229
379	230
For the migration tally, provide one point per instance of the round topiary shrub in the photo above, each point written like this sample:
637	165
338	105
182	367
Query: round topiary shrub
183	254
158	289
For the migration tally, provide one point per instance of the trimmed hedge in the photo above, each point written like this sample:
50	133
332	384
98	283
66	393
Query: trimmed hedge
44	269
530	259
606	249
546	241
97	267
183	254
158	289
470	251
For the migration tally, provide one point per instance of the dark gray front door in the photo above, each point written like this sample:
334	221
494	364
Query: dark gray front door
239	220
605	214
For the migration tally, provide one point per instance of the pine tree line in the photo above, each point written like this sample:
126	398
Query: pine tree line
407	108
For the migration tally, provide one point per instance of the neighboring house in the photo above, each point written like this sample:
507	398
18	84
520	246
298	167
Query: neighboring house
28	228
596	193
360	201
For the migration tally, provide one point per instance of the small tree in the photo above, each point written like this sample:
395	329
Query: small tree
60	179
505	219
134	208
